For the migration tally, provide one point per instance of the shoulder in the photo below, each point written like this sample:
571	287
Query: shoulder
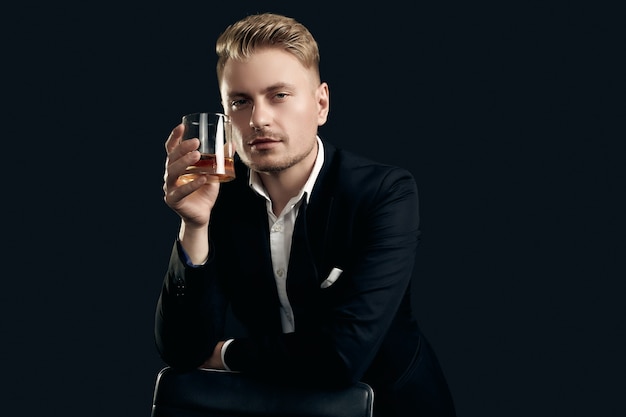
367	195
349	170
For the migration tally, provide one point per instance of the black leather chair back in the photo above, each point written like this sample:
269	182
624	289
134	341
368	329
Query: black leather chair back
213	393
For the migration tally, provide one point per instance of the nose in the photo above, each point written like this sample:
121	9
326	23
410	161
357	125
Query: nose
260	117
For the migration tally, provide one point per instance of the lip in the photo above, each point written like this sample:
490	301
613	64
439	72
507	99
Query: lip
263	143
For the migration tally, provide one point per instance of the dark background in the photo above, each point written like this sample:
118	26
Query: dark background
506	114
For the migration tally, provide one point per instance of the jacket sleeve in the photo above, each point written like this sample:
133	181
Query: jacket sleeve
190	313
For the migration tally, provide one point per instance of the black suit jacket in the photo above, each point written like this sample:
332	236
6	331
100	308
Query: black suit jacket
362	217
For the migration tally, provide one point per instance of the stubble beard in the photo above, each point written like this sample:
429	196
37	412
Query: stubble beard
276	166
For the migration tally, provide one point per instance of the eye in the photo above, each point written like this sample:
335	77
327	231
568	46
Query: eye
281	96
238	103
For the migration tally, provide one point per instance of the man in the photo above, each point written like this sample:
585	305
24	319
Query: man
311	246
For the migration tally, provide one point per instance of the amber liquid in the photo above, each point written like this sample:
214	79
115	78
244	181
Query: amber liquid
207	165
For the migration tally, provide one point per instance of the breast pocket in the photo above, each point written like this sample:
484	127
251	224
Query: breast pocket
333	276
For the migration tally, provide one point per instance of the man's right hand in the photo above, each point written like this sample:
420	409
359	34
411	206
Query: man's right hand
192	201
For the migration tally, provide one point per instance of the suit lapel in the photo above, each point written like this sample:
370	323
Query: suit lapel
307	262
302	277
320	219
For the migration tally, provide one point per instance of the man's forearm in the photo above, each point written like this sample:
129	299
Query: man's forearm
195	242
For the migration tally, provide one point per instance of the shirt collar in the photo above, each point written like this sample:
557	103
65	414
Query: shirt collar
254	181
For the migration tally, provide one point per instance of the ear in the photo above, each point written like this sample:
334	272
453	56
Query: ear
323	103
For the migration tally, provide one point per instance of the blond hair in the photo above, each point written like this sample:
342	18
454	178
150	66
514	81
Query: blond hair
266	30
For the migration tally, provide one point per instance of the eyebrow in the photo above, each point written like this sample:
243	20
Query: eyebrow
273	87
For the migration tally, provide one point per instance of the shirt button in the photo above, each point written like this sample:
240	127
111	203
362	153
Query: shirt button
280	272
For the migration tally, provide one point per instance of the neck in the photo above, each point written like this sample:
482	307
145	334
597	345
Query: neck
282	186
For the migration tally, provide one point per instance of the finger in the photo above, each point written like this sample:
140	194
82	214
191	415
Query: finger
184	148
176	165
202	186
177	191
180	157
174	138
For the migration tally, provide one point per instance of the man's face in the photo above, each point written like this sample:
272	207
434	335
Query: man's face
276	106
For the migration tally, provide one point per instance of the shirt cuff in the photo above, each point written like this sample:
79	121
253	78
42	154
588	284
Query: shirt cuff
223	353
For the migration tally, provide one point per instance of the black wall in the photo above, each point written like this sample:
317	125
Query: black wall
506	115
